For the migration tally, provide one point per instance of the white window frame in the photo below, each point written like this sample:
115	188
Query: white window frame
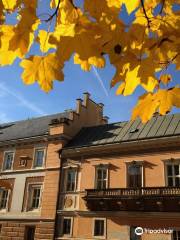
40	148
166	164
6	152
7	201
71	228
103	167
105	228
66	178
30	197
139	163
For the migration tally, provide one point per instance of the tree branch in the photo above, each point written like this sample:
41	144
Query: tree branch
55	13
145	14
163	2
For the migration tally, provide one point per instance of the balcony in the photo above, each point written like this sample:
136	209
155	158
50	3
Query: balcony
150	199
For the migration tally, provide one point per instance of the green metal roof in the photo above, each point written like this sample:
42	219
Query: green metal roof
157	127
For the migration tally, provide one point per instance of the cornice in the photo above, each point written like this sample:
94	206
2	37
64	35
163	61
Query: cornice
129	147
42	138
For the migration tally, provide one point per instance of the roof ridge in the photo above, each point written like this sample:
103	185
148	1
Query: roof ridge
33	118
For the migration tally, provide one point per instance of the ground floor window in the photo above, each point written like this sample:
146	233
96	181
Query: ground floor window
3	198
29	233
176	235
34	197
99	227
67	226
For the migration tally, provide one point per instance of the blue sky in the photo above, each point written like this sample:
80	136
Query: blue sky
19	101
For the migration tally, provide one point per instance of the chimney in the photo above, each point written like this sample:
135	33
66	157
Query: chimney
86	98
78	105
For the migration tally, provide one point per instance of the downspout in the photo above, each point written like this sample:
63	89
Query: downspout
59	190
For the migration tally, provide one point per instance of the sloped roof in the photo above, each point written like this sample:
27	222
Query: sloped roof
157	127
28	128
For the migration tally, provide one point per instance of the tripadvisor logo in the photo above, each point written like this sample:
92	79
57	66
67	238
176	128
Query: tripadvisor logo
139	231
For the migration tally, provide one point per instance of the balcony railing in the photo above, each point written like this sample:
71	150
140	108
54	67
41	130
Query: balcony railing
163	199
134	192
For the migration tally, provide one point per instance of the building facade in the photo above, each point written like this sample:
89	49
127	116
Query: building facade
121	179
30	169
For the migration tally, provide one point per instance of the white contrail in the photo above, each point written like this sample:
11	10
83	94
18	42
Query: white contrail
100	80
22	100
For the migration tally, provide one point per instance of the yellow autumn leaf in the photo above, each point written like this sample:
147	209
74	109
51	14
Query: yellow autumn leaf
43	39
163	100
83	63
145	107
131	5
131	81
7	56
54	3
98	62
114	3
67	30
23	36
31	4
150	84
167	99
43	69
10	4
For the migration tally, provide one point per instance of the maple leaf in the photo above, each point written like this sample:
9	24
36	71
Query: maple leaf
86	64
163	100
43	39
54	3
7	56
131	5
43	69
10	5
23	36
131	81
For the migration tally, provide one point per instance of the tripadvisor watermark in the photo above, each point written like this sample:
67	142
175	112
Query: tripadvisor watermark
139	231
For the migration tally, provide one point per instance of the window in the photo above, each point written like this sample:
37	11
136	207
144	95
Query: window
101	177
67	226
134	175
29	232
34	198
176	235
173	174
4	193
71	179
99	228
133	235
39	157
8	160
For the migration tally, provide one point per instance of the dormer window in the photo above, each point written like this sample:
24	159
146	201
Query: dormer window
39	157
8	160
